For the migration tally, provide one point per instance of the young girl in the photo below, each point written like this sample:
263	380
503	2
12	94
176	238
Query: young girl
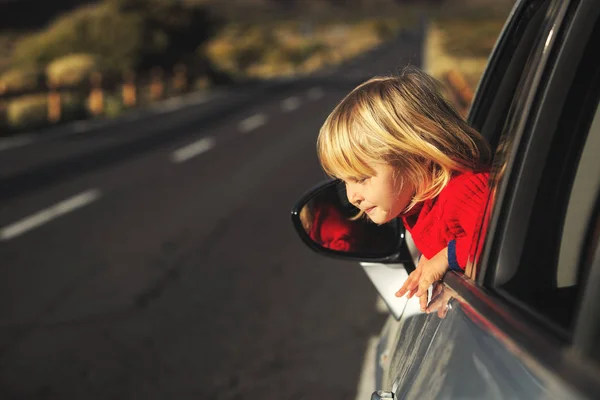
403	151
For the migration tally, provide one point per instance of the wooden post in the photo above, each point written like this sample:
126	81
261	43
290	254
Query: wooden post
129	90
54	102
180	78
157	87
96	98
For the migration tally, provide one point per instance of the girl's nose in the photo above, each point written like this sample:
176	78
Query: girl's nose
354	197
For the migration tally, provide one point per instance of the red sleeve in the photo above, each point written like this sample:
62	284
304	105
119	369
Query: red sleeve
463	210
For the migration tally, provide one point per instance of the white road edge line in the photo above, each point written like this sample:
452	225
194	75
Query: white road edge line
315	93
366	382
193	149
48	214
253	122
78	127
18	141
291	103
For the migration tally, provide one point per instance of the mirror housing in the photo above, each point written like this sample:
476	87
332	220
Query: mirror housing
325	221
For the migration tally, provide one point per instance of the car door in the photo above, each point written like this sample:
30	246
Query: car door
511	58
522	321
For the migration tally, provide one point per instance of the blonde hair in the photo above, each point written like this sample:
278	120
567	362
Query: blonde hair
404	121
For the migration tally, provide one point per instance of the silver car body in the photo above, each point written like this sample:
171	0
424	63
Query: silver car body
489	345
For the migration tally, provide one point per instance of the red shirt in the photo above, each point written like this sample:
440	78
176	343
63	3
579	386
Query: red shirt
450	219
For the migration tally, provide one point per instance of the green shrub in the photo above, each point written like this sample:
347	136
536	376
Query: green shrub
18	79
73	107
123	34
171	29
113	106
27	112
240	47
116	38
73	69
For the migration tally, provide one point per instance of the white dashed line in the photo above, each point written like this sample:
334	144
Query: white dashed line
171	105
81	126
253	122
193	149
315	93
48	214
291	104
18	141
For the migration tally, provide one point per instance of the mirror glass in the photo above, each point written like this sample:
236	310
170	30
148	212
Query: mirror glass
330	221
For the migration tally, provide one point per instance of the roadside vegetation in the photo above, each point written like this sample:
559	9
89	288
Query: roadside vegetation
461	38
149	50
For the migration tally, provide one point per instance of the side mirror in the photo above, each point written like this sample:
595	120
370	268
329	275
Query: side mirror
324	219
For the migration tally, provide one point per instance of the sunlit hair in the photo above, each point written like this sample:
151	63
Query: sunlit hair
404	121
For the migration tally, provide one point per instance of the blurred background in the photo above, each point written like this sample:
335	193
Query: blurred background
150	152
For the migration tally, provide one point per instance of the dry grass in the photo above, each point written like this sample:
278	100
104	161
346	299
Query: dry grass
27	112
460	39
18	79
469	39
73	69
439	60
293	47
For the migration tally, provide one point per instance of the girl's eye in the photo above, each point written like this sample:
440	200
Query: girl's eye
355	180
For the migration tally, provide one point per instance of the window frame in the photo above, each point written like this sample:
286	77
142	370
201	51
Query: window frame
490	81
501	244
530	158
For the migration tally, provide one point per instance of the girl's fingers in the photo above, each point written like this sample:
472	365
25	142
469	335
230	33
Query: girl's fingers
436	301
423	301
410	284
426	281
437	289
403	289
443	311
408	287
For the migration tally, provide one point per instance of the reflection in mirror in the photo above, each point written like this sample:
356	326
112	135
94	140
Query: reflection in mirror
330	221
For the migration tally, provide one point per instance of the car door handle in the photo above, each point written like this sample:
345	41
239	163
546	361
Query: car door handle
380	394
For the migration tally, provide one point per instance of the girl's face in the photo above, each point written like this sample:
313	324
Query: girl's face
379	196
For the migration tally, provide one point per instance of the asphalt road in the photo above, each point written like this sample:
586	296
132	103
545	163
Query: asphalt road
155	258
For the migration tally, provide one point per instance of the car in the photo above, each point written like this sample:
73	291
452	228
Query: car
523	320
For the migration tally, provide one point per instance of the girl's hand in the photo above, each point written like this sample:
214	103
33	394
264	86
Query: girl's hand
427	272
440	296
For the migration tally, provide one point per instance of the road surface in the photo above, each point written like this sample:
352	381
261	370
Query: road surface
154	258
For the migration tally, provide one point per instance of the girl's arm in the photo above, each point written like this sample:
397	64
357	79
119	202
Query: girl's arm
427	272
464	207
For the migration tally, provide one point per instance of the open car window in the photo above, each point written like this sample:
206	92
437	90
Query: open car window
553	185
